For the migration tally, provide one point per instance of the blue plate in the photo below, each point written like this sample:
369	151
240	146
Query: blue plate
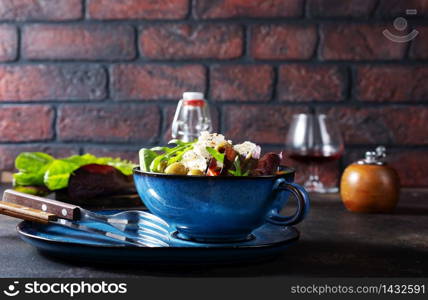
266	241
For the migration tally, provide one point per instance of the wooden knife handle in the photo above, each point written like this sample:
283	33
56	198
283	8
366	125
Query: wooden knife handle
25	213
60	209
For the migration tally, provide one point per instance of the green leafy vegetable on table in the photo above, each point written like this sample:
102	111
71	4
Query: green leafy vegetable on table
41	169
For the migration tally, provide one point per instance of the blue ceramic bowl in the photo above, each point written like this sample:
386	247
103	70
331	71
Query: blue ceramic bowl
220	208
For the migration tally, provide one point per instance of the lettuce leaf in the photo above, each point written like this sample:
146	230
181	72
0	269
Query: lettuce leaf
32	162
58	173
20	179
32	167
81	160
38	169
124	166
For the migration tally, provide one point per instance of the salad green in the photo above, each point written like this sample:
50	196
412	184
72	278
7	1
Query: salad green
238	170
152	161
217	155
209	155
41	169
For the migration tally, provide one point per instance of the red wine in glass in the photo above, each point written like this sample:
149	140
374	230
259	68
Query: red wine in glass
314	158
314	140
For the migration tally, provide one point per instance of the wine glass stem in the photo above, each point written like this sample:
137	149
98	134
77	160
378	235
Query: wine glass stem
314	172
313	184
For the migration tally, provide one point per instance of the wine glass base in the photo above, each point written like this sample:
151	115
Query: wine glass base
314	185
330	190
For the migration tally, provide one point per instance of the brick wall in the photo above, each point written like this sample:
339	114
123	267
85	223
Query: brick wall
103	76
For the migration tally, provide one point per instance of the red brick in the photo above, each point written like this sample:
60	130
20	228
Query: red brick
340	8
53	10
283	41
358	42
156	82
129	153
26	123
8	153
311	83
8	42
392	83
410	164
398	7
208	9
108	123
169	112
95	42
382	125
259	124
137	9
419	49
241	82
51	82
181	41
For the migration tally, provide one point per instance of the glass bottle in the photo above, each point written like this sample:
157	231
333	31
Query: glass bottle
191	117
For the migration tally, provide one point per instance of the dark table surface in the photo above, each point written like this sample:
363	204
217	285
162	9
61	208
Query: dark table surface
333	243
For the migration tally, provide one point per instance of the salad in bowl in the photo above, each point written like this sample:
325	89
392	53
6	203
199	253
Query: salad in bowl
210	155
213	190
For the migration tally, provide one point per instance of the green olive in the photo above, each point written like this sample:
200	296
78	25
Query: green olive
195	172
176	168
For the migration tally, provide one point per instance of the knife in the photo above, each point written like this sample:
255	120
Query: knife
43	217
128	221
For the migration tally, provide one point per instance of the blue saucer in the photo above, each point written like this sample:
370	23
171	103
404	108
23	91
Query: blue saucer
266	241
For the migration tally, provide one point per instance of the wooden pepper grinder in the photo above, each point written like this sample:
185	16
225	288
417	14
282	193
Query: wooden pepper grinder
370	185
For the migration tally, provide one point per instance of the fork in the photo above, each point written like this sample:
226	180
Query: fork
131	222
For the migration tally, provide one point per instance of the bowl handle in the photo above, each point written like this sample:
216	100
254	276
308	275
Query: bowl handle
299	194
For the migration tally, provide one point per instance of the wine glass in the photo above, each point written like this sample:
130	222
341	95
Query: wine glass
314	139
